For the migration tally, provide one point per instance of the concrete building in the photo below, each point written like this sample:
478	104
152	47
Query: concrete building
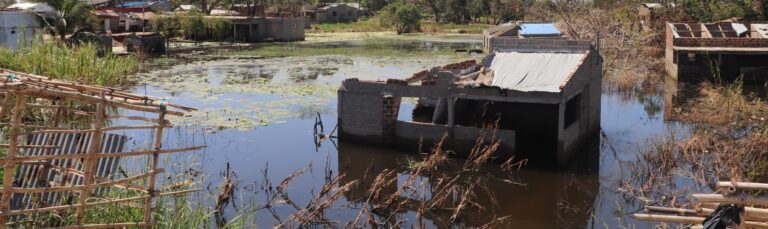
145	43
519	30
331	13
694	50
19	29
543	99
258	29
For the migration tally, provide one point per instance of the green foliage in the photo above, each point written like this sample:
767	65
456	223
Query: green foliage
404	17
74	15
217	28
375	5
168	25
79	63
192	25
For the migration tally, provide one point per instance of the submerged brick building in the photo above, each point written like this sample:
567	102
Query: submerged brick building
542	101
699	51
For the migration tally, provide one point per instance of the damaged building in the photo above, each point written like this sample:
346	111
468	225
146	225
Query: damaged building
703	51
542	101
514	32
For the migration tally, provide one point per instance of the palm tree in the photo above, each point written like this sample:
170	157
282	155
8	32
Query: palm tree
73	16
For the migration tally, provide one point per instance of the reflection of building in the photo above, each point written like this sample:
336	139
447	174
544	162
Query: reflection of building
332	13
519	32
547	200
694	50
538	96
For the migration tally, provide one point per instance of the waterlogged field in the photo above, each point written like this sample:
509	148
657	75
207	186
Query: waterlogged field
258	116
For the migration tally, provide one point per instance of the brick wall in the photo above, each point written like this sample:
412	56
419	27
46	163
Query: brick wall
720	42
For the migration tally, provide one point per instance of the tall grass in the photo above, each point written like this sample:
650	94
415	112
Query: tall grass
81	63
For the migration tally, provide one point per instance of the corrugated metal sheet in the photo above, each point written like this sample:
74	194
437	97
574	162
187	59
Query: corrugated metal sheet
533	71
44	175
532	29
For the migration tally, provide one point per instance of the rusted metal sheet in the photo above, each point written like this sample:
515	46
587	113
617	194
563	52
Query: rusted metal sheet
50	174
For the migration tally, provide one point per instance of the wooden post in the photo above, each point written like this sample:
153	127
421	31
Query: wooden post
4	109
155	160
90	163
10	165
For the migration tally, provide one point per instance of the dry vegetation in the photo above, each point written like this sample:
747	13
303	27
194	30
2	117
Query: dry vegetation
427	190
728	141
631	56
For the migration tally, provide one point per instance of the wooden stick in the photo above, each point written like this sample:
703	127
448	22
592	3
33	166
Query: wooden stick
10	166
110	225
669	218
689	220
92	186
743	200
101	155
742	185
139	118
90	163
31	146
155	161
115	201
114	128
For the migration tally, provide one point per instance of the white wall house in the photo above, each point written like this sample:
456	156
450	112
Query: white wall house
18	29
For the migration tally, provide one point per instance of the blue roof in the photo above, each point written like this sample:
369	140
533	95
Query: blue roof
131	4
538	29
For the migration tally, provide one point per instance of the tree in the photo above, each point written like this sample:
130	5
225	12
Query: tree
405	17
437	8
73	16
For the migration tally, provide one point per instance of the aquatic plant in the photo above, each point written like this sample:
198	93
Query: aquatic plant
81	63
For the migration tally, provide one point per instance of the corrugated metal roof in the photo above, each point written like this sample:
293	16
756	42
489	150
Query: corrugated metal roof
45	174
533	71
538	29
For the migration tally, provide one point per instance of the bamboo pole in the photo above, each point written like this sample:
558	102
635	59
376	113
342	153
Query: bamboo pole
155	161
92	186
5	107
90	163
101	155
669	218
103	129
139	118
109	225
10	166
742	185
92	204
743	200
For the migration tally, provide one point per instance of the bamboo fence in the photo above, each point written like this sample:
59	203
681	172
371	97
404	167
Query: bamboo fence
23	95
755	213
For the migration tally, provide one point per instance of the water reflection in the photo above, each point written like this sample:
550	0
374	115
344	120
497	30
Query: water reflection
532	198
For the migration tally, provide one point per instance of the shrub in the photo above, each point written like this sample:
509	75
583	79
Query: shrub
404	17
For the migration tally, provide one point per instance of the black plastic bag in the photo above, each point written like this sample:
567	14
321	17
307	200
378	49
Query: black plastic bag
724	217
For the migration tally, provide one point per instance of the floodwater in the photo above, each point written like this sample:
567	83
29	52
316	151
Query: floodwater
261	113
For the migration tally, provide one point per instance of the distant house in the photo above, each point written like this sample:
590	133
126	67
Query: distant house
42	9
111	21
331	13
519	30
258	29
18	28
647	14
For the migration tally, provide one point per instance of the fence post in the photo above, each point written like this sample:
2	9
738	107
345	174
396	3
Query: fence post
10	163
91	161
155	160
